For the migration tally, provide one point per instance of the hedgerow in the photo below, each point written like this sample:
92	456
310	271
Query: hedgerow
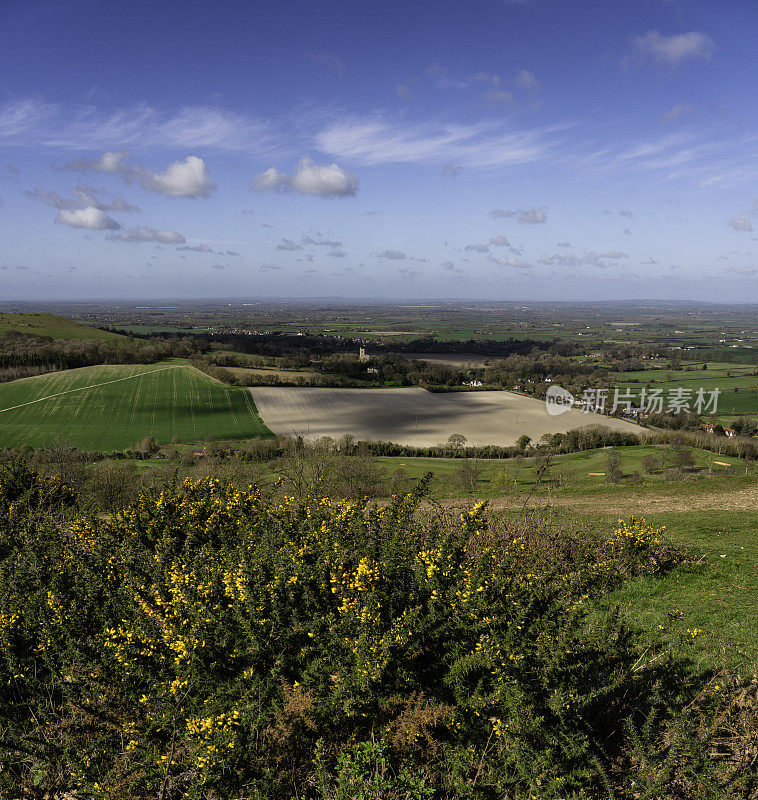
206	642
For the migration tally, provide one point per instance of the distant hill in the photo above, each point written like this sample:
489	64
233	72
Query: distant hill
53	325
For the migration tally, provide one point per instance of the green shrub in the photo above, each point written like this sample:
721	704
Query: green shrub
211	642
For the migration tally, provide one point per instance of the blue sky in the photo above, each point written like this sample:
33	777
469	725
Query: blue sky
496	149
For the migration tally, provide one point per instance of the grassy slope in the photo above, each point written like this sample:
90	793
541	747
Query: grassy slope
106	412
574	470
53	325
716	590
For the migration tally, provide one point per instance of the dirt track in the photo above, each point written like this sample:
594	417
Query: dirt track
414	416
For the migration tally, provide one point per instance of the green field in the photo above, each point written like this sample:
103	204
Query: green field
577	474
53	325
114	407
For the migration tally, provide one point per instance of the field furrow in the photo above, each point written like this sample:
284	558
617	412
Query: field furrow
115	407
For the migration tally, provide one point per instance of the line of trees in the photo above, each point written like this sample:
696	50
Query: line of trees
24	354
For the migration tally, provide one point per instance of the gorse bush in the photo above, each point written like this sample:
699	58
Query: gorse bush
206	642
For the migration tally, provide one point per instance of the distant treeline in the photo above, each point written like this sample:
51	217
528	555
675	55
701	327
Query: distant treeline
573	441
25	354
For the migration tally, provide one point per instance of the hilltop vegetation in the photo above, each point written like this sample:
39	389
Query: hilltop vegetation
206	642
54	326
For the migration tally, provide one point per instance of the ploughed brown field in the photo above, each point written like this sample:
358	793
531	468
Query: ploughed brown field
414	416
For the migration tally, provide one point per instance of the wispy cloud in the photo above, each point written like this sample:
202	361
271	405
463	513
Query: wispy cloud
527	216
673	50
485	144
146	233
30	122
84	197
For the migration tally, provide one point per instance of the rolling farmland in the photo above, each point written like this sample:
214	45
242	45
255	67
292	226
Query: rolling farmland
114	407
55	326
414	416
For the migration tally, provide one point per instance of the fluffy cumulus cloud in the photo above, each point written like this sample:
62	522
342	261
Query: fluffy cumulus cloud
392	255
499	241
673	49
187	178
322	180
94	219
527	216
476	248
145	233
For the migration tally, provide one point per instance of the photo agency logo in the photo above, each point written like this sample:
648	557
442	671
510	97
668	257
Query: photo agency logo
633	402
558	400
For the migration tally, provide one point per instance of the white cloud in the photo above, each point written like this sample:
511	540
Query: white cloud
210	127
323	180
188	178
591	258
516	263
392	255
320	242
109	162
29	122
288	244
145	233
499	241
675	111
92	218
85	197
477	248
673	49
19	118
486	144
560	260
198	248
526	80
741	223
527	216
337	252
